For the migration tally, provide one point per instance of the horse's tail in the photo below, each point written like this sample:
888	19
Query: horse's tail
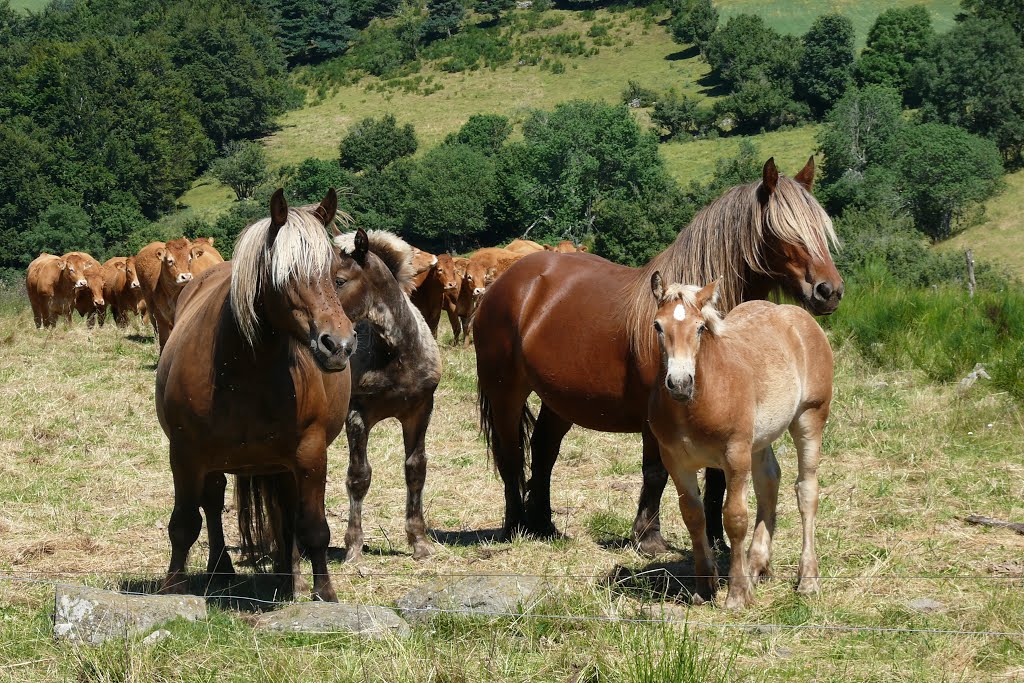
259	501
502	460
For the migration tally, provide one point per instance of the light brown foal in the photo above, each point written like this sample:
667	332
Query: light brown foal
728	388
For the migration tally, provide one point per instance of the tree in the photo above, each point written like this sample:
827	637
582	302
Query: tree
312	178
494	7
759	103
680	115
861	131
375	143
898	38
1009	11
746	48
975	80
453	186
943	172
314	30
61	228
243	168
444	17
693	22
485	132
826	62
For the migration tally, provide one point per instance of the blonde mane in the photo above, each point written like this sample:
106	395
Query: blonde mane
722	241
395	252
302	250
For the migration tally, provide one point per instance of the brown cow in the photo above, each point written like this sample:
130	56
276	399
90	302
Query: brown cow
524	246
204	255
566	247
450	302
483	268
431	287
163	270
52	284
89	297
121	288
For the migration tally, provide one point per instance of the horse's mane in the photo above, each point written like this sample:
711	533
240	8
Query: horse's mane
301	250
709	311
395	252
724	240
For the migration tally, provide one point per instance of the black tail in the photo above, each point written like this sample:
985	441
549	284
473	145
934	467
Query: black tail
259	501
526	424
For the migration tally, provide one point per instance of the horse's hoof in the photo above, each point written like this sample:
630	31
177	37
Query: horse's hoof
326	594
353	555
652	545
174	585
739	600
422	550
809	585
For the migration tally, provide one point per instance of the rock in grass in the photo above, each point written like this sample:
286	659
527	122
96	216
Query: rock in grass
92	615
332	617
473	595
926	605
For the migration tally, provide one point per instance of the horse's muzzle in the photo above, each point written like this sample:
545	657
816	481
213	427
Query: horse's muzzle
332	352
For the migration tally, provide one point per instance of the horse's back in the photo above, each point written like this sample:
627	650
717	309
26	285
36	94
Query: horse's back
547	323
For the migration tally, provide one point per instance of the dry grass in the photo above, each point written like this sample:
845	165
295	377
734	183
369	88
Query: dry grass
84	488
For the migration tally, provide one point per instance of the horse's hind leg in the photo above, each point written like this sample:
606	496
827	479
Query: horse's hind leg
714	497
503	418
357	482
219	562
185	523
647	525
766	487
414	433
288	561
806	430
544	446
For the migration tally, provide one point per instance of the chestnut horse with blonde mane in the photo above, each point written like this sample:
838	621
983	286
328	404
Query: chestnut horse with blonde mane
254	381
726	390
576	329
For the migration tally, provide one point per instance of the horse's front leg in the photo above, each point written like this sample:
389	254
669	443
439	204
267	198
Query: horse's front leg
414	433
693	516
737	470
186	522
647	525
311	525
357	482
219	562
766	487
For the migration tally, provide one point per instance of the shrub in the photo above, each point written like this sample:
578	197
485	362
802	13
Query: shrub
635	92
375	143
485	132
243	168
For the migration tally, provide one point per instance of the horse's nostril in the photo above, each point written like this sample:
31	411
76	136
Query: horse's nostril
329	343
823	290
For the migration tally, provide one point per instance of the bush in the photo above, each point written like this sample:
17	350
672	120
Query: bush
61	228
373	143
310	180
898	38
634	92
679	115
243	168
485	132
693	22
826	62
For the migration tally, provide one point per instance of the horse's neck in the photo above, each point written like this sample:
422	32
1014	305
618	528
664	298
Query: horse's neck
405	333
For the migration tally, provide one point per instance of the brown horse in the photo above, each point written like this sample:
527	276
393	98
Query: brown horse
395	372
254	381
726	390
576	329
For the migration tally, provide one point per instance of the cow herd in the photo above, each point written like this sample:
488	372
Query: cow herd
148	284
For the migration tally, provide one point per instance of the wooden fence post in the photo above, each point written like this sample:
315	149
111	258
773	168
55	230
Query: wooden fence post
970	273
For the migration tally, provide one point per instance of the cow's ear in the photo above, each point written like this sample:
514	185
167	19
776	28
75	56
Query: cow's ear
121	265
62	264
209	240
584	248
197	253
160	253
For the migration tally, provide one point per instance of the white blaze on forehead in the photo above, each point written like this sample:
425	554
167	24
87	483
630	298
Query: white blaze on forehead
680	312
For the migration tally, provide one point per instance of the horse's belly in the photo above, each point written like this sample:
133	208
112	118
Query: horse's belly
773	419
603	414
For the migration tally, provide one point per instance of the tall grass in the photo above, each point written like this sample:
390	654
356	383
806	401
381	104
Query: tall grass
940	330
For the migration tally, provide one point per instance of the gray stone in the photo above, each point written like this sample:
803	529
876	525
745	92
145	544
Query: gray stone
156	637
93	615
475	595
305	617
926	605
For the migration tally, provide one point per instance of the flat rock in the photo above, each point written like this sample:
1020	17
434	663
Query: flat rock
333	617
92	615
474	595
926	605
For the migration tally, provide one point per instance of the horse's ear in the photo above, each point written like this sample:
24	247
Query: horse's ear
278	209
328	208
770	175
657	286
362	247
708	295
806	175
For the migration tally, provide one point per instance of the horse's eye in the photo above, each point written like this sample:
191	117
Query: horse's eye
657	327
700	330
339	281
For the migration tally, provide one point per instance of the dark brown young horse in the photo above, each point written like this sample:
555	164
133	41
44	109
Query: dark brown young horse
395	371
576	329
254	381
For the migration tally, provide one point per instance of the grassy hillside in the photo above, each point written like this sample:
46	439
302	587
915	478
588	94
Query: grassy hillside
999	236
34	5
796	16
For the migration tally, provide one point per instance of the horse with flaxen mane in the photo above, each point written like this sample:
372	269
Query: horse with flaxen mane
727	389
254	381
395	372
576	329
